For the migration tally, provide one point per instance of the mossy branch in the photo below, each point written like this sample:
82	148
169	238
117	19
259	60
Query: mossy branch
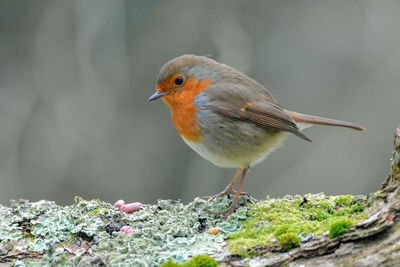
310	230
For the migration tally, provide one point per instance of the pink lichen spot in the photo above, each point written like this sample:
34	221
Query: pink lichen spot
126	229
132	207
119	204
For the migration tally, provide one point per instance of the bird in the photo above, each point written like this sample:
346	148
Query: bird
227	117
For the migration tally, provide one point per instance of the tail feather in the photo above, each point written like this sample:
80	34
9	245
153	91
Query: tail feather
303	118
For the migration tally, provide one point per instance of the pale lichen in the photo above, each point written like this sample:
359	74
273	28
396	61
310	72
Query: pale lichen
169	230
166	230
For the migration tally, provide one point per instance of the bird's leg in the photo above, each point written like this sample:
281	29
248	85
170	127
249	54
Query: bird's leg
229	188
234	205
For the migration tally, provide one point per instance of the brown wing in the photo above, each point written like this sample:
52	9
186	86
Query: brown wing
247	106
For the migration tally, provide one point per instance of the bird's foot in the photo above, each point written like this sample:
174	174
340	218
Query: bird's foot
234	205
229	190
226	212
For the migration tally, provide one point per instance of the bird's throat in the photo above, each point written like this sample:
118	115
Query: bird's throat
183	111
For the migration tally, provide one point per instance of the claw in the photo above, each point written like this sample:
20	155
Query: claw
226	212
229	190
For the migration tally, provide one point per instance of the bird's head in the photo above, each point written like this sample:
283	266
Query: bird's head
184	75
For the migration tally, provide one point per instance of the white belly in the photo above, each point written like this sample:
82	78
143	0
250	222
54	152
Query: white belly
246	158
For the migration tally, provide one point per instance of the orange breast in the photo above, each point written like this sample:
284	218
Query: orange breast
183	111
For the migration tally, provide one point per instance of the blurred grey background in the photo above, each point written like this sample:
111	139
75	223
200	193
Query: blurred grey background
75	77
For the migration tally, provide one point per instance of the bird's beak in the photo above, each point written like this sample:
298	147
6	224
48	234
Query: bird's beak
157	95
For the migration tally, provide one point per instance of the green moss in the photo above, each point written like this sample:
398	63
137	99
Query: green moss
339	227
283	229
344	211
358	207
320	213
202	260
288	240
343	200
170	263
283	220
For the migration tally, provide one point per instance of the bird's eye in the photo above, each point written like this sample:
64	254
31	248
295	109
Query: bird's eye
179	80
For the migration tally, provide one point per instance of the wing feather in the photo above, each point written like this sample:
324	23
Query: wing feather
253	108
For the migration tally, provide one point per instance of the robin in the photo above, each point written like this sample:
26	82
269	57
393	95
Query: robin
227	117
